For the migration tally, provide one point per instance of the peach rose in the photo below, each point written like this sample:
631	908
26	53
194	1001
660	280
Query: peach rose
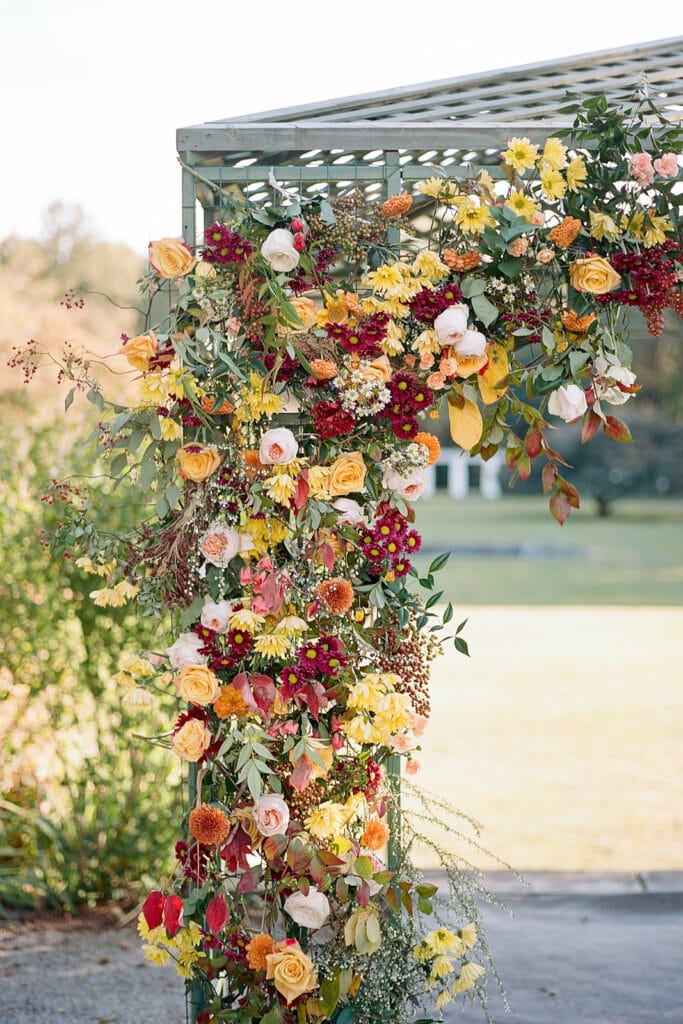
292	972
378	369
139	350
667	165
197	685
641	169
278	447
197	462
545	255
594	275
306	310
409	486
170	257
271	814
192	740
221	543
347	475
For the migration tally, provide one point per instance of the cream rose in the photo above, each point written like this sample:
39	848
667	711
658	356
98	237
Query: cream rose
594	275
378	369
138	351
220	544
310	910
271	814
349	512
409	487
170	257
216	615
278	249
291	971
472	345
347	474
197	685
568	402
451	325
278	447
185	651
192	740
197	462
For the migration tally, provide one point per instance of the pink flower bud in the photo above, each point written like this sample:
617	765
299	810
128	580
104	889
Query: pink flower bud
297	225
299	241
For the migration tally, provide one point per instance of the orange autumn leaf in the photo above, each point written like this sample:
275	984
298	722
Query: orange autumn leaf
497	370
466	424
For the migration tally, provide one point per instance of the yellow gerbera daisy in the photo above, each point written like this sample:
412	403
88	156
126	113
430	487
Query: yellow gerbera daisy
554	154
520	154
521	204
472	217
553	184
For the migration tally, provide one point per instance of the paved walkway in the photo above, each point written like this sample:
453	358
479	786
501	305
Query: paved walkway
580	949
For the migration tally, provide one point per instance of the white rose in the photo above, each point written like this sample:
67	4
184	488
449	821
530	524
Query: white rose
185	651
220	544
279	250
215	615
451	325
619	374
409	487
278	447
309	911
350	512
271	814
471	345
568	402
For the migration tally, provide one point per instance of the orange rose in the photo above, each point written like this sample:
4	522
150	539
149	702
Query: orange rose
138	351
292	972
197	685
170	257
197	462
594	275
191	740
347	475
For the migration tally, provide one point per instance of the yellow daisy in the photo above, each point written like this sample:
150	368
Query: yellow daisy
554	154
576	173
602	226
521	204
472	217
520	154
553	184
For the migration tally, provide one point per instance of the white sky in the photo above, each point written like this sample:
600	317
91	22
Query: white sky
93	90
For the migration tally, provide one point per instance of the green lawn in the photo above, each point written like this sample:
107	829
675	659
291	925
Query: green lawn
633	557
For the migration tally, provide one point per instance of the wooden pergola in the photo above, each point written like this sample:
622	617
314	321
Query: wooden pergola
385	141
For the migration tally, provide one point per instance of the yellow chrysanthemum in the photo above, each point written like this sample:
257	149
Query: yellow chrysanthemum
647	227
169	429
355	806
468	934
95	568
247	620
602	226
256	401
327	820
486	184
520	154
441	967
428	264
444	190
136	665
317	482
427	341
443	940
156	954
394	307
108	597
442	1000
365	696
552	183
273	645
386	280
576	173
138	699
149	934
153	389
281	487
126	590
181	384
392	343
522	205
392	712
554	154
472	217
291	625
362	729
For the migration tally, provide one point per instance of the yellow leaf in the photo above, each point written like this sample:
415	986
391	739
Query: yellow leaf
466	424
498	368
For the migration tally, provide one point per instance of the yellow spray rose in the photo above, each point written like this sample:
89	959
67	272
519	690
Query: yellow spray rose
593	274
378	369
292	972
191	740
347	475
139	350
170	257
197	462
197	685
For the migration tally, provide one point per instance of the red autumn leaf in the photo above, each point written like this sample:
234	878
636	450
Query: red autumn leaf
591	423
249	881
173	914
301	775
570	492
549	477
617	429
533	443
524	466
511	456
302	491
560	507
236	850
153	909
327	555
217	914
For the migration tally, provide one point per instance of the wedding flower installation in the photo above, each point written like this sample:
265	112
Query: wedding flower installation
278	443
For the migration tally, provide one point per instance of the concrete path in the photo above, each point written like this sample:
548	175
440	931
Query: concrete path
580	949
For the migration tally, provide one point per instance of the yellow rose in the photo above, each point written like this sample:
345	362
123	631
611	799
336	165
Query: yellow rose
593	274
191	740
306	310
197	684
376	369
291	970
197	462
139	350
170	257
347	475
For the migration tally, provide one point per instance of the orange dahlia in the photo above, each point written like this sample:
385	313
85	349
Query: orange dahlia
564	234
396	205
577	324
431	443
461	261
337	595
230	702
210	826
213	407
376	835
258	949
323	369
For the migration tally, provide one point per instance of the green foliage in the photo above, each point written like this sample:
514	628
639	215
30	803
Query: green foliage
86	808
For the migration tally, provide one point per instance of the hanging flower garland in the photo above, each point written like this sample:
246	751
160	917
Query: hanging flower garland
280	440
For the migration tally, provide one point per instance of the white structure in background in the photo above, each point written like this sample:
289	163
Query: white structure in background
459	464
